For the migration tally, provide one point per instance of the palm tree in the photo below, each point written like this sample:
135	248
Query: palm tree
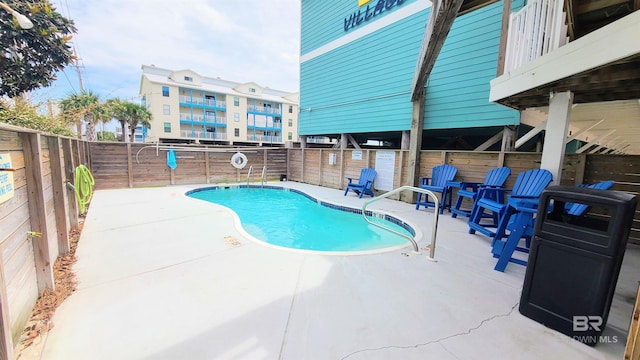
81	107
116	108
129	113
139	115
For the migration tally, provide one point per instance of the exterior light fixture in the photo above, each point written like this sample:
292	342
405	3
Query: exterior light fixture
24	21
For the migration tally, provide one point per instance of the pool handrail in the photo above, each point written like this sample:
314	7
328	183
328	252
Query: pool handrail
262	177
432	246
249	174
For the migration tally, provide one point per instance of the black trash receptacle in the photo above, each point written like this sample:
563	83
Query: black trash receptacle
574	261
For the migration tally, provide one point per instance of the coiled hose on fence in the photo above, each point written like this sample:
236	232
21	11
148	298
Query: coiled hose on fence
83	184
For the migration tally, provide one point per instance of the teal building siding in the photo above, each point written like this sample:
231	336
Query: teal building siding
323	22
363	84
457	93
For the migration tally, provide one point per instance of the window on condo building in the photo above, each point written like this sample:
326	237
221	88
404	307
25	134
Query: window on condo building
290	109
252	90
167	127
188	78
236	101
236	117
236	132
290	122
165	91
166	109
289	135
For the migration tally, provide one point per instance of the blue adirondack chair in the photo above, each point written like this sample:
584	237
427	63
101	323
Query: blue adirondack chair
581	209
363	184
495	179
523	223
526	191
437	183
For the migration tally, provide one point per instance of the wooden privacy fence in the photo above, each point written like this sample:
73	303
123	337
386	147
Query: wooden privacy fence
37	211
118	165
330	168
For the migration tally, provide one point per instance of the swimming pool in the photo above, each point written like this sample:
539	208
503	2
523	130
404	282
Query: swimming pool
292	219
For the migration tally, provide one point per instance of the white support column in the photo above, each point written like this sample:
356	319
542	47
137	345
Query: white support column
557	128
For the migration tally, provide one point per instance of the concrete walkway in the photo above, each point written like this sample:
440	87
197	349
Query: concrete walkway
159	278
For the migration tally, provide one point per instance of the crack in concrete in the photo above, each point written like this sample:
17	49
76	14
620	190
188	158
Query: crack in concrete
285	335
469	331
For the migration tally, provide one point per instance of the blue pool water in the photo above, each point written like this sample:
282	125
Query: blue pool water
291	219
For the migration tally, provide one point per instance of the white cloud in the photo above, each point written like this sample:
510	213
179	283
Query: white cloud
244	40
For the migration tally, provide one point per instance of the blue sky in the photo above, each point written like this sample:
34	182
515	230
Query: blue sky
237	40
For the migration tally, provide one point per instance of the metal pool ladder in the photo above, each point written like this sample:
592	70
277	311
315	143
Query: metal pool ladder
250	175
432	246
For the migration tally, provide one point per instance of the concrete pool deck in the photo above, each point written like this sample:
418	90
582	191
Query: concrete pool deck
164	276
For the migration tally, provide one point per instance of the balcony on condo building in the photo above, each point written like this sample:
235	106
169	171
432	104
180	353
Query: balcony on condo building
194	134
275	109
208	101
196	118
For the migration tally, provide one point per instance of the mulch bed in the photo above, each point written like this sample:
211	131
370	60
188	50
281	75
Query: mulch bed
65	284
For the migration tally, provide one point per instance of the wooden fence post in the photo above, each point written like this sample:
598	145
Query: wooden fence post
207	170
6	341
82	159
129	165
88	154
57	183
76	152
288	152
582	158
320	169
69	166
37	209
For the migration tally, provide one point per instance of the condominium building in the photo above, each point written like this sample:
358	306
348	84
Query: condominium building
187	107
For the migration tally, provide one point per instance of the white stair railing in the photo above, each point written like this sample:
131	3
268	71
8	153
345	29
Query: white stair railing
536	30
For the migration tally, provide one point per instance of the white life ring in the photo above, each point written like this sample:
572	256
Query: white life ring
239	160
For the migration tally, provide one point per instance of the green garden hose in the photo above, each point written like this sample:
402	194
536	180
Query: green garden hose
83	187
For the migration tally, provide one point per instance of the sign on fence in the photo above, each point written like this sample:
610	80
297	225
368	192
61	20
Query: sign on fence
6	178
385	167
